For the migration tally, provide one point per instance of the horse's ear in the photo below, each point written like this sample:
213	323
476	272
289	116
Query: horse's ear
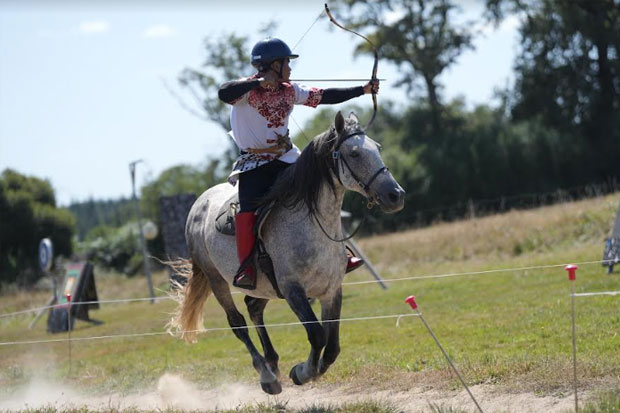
354	118
339	123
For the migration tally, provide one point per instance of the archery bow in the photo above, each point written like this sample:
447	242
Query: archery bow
374	67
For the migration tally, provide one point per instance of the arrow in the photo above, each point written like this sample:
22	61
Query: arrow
333	80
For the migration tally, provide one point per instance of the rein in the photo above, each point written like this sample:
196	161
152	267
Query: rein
345	238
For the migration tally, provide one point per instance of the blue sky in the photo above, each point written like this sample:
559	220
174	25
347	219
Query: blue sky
82	83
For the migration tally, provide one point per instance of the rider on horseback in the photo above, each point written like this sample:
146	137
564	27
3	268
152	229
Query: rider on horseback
261	105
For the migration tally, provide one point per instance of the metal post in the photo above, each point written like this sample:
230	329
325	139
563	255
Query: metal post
414	306
367	263
69	327
53	300
345	217
571	277
46	262
147	268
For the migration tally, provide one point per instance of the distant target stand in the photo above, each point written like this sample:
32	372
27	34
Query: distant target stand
46	254
78	287
611	254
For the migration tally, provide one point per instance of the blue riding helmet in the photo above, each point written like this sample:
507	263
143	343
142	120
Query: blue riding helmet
269	50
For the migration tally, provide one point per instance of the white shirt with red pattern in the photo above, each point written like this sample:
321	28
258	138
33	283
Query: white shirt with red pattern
260	116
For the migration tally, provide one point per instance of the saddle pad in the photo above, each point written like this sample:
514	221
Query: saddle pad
225	221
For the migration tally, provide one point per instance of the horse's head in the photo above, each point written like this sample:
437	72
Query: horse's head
358	165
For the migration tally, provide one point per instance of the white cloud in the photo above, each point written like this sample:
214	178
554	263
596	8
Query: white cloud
94	27
158	30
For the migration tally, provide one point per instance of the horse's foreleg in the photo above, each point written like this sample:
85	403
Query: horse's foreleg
298	301
268	380
256	307
330	315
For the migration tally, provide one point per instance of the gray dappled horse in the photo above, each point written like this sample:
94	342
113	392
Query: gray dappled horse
307	264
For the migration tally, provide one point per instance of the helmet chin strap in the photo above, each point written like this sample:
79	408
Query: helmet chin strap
279	73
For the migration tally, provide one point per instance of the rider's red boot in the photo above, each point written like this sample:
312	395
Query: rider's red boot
353	263
244	233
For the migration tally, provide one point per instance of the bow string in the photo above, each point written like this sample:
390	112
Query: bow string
374	67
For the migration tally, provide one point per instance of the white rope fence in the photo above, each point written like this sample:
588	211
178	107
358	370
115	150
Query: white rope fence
413	278
485	272
592	294
47	307
205	330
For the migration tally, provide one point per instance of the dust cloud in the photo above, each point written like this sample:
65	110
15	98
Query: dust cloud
172	391
37	394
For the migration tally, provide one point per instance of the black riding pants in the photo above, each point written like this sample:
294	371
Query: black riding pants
255	183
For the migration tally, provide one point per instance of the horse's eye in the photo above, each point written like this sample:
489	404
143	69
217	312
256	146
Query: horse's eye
355	154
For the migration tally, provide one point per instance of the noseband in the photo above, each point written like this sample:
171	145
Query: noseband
337	155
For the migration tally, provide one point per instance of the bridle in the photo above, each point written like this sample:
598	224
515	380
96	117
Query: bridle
337	156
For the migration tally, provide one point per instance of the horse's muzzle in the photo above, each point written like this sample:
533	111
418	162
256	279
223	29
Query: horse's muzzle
390	196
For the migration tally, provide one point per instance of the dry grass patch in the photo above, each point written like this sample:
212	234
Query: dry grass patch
497	236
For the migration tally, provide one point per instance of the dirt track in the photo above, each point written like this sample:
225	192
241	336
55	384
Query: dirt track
174	392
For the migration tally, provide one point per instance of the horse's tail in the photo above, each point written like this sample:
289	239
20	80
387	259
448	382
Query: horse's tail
186	321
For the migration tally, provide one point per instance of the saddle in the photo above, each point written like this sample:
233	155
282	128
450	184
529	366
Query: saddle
225	224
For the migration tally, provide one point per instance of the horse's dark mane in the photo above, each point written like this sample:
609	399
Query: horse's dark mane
300	183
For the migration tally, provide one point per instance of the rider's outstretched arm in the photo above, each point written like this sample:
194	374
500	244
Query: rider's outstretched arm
341	94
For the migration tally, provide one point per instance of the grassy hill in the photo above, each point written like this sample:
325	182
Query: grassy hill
500	305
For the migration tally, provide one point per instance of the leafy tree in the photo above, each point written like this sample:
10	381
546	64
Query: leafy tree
568	76
422	40
28	213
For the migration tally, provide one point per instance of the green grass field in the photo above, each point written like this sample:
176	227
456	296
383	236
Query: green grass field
509	328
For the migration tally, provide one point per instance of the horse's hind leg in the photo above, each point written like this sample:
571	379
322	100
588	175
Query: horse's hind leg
268	380
331	324
256	307
298	301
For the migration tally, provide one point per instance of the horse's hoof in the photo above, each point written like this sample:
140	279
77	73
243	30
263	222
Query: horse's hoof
272	388
293	376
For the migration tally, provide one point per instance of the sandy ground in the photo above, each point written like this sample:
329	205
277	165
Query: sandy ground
174	392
